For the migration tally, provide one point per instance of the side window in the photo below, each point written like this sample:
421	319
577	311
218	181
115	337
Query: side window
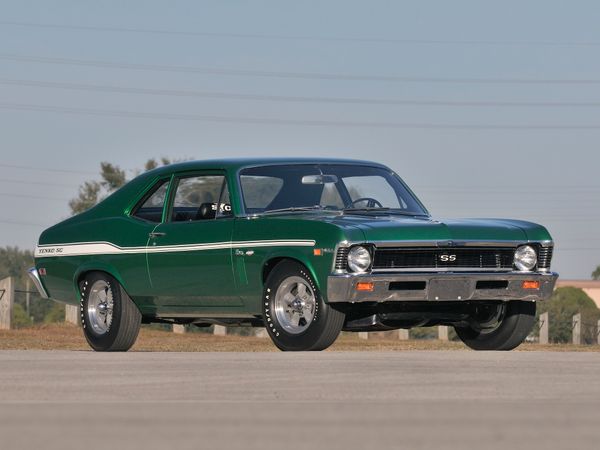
224	203
151	207
197	198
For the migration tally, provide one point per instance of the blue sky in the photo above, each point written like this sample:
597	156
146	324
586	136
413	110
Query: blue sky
506	96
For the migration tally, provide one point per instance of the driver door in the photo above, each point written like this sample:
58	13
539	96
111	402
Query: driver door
189	255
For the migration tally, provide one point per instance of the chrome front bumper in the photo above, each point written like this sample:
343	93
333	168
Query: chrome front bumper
450	286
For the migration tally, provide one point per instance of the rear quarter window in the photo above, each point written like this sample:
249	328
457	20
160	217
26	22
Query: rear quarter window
151	207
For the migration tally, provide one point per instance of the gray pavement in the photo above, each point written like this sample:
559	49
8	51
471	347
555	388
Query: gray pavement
413	400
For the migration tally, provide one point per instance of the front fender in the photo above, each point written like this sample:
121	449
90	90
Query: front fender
303	257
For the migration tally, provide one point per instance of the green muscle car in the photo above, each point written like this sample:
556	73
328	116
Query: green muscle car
305	248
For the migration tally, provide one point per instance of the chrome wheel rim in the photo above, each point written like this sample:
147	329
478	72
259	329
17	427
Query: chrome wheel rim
100	307
295	304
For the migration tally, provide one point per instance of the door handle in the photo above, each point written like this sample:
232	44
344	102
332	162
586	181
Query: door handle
156	234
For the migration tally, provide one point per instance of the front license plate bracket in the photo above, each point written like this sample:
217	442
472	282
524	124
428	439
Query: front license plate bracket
450	290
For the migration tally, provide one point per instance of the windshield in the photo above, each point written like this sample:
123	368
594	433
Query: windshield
348	188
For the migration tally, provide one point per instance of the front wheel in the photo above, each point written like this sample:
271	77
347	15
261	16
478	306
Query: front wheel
500	326
294	312
111	321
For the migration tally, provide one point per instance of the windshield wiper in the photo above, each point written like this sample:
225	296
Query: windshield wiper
293	209
392	211
374	208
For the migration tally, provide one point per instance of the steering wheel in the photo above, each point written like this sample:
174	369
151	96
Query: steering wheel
371	202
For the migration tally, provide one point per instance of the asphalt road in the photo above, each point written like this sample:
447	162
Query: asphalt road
413	400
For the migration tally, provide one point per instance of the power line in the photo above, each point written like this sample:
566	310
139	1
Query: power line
294	122
290	98
11	222
512	186
348	39
46	169
36	197
291	75
41	183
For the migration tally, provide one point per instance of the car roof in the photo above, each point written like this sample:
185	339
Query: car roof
118	200
240	163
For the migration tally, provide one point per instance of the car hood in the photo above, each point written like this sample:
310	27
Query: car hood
401	228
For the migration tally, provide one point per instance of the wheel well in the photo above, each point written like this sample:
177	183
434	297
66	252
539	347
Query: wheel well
81	277
272	263
85	273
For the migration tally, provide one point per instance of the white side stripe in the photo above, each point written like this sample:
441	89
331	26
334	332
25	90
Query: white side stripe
107	248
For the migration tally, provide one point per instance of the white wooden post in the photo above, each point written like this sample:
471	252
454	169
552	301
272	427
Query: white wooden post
577	329
442	332
73	314
219	330
544	328
178	329
7	299
261	333
403	334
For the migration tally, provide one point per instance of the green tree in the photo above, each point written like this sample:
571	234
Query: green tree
562	306
56	314
112	177
14	262
20	317
596	274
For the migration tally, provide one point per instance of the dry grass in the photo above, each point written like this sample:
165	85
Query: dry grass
70	337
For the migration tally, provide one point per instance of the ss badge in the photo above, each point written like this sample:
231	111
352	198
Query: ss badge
448	258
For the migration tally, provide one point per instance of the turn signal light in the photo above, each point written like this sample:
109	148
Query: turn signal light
531	284
365	286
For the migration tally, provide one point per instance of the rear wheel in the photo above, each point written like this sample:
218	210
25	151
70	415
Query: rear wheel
111	321
295	315
499	326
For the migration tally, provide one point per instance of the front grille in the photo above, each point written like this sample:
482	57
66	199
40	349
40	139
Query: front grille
341	258
444	258
545	257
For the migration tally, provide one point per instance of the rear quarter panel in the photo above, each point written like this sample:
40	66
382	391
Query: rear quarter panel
63	272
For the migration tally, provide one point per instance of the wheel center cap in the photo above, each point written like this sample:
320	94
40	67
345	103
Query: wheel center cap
297	305
102	308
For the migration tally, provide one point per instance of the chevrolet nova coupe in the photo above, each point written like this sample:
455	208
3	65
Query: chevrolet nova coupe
304	248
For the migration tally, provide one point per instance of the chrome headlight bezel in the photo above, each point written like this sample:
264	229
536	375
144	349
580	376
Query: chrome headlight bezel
359	259
526	258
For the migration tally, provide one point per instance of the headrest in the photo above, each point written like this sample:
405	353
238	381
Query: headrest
206	211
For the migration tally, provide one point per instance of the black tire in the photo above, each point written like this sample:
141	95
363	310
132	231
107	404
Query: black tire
319	333
515	325
121	332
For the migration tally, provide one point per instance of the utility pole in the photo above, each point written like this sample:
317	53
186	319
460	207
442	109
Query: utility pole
27	296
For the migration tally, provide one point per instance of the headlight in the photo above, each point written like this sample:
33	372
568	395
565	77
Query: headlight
525	258
359	259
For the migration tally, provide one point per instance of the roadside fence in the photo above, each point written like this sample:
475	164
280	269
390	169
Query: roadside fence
21	307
